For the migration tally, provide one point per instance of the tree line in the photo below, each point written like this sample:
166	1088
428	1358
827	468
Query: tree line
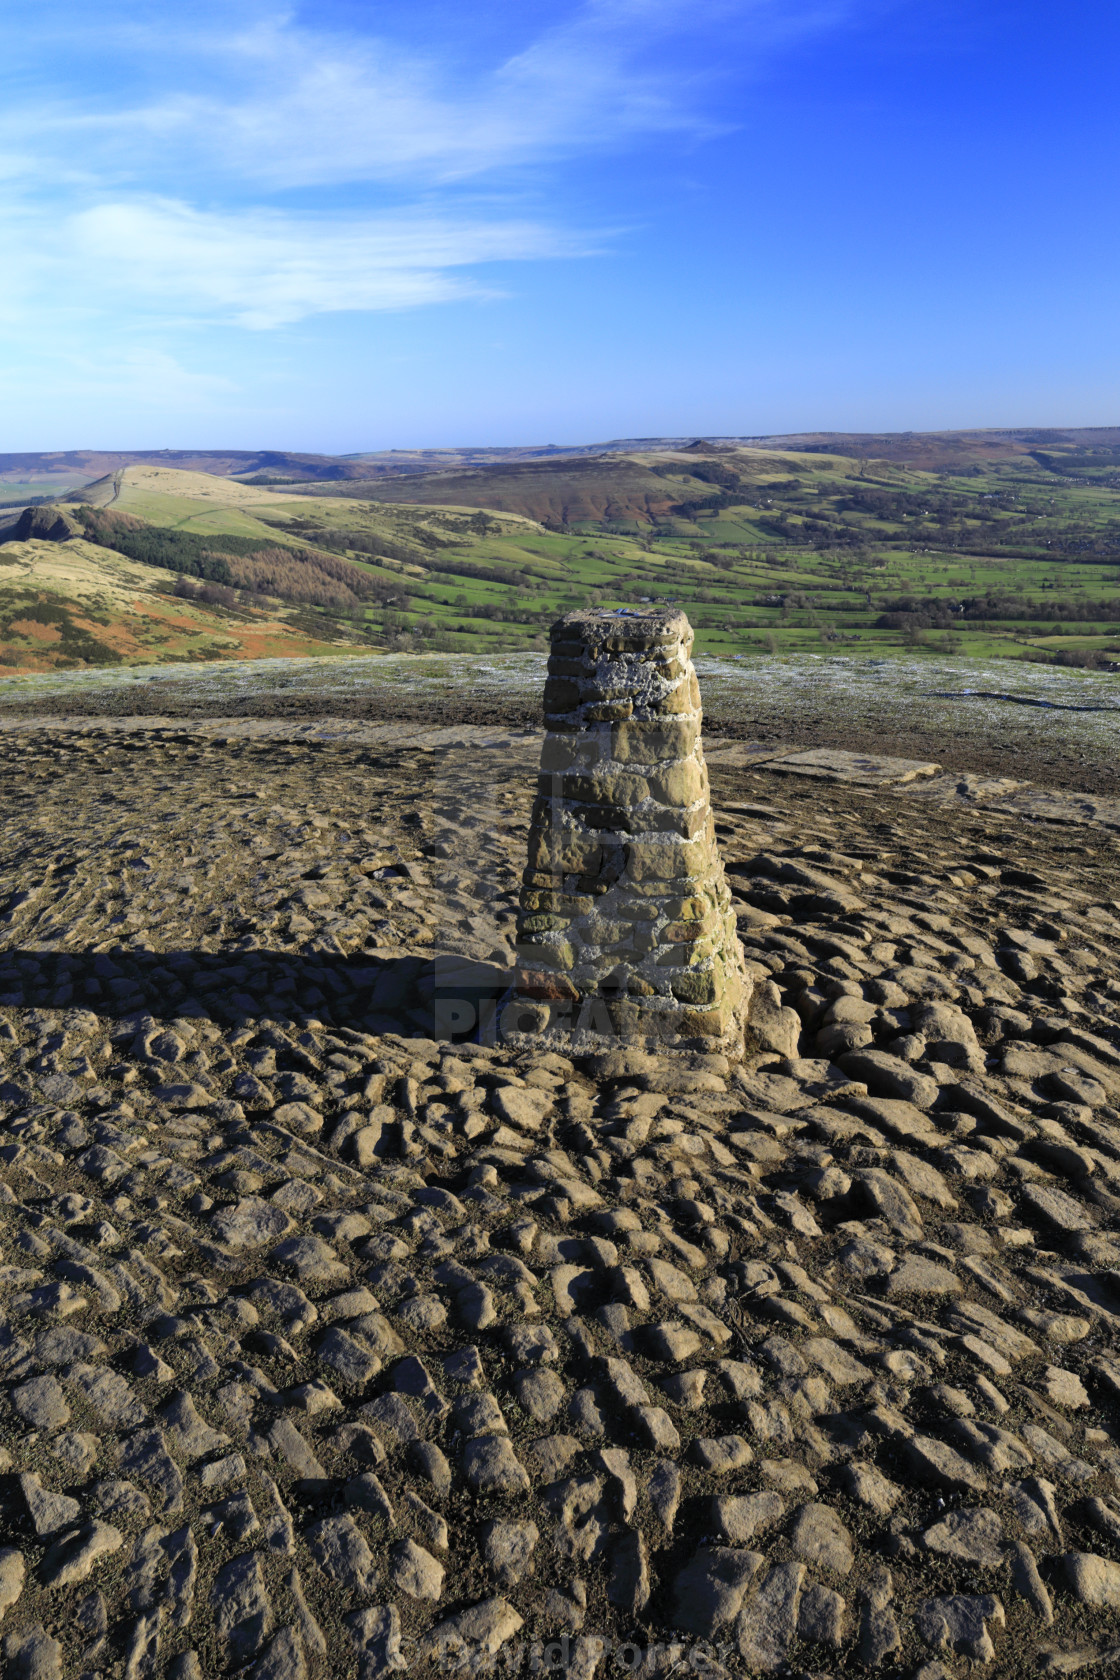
911	612
232	562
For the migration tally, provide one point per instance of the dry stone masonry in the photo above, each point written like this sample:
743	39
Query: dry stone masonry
626	928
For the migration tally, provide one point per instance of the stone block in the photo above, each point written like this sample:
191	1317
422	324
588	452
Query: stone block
609	711
613	789
654	742
678	700
648	861
698	988
560	694
678	785
559	752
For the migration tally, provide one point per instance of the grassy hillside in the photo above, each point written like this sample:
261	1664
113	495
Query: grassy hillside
1038	503
17	492
155	563
774	550
66	605
603	488
767	550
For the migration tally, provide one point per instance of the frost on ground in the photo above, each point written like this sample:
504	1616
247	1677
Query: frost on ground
997	717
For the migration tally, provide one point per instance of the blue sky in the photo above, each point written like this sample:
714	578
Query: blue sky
342	226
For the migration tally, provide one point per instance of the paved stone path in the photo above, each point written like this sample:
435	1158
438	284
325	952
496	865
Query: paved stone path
330	1346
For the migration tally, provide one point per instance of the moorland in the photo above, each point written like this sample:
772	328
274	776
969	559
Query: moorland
995	545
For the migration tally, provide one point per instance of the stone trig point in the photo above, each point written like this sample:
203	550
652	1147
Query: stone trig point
626	930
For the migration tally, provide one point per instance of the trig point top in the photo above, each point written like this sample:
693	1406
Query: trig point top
626	931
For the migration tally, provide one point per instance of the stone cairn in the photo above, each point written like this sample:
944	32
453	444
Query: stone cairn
626	930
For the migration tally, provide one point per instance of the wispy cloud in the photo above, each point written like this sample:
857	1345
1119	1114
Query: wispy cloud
160	258
287	106
166	186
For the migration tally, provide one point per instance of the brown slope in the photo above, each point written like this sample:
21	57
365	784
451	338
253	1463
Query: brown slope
931	451
938	451
558	492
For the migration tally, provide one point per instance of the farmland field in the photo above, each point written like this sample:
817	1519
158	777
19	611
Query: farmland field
16	492
788	552
769	551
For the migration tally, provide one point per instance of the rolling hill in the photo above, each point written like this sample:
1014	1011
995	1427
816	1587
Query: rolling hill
600	488
1053	448
767	549
75	467
157	563
74	603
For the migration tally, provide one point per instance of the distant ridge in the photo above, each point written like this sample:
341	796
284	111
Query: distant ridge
933	451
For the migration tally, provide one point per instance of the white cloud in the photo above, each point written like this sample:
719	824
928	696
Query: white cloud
289	106
260	269
367	110
220	101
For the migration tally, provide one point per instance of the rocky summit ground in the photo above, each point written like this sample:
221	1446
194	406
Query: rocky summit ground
330	1345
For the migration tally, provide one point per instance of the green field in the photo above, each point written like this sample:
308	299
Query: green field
766	551
15	493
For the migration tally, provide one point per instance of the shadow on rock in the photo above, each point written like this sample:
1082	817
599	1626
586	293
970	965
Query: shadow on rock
445	997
